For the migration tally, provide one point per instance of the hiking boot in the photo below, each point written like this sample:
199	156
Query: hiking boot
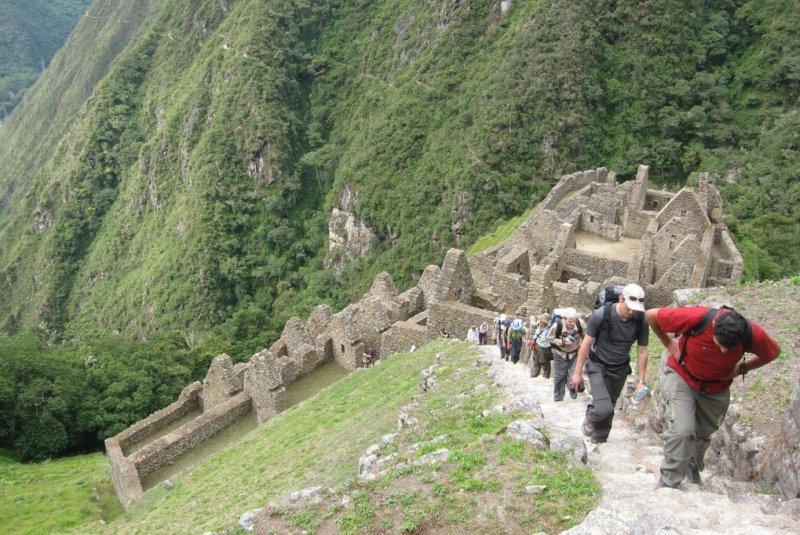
573	393
587	427
692	473
595	440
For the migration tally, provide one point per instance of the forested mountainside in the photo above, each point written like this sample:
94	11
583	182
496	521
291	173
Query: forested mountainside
215	138
31	31
167	186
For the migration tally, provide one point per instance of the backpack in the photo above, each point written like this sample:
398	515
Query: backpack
515	336
701	326
560	327
555	319
609	294
501	327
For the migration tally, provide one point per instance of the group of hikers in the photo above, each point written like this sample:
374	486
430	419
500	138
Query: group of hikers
706	348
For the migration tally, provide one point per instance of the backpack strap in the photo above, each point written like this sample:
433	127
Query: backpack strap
699	327
606	325
702	325
560	327
607	320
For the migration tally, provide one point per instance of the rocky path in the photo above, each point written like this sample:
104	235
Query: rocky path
627	467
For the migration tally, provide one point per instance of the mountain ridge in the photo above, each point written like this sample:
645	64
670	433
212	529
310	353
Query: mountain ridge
207	191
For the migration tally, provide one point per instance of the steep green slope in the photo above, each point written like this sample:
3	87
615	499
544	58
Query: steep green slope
31	31
30	136
197	182
149	195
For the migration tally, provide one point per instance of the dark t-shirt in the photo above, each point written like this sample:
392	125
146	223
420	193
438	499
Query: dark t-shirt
616	351
704	360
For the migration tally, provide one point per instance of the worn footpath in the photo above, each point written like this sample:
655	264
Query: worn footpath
627	467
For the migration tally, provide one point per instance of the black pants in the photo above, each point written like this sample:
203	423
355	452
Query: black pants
606	384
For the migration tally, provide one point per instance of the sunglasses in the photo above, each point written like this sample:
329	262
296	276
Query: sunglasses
632	298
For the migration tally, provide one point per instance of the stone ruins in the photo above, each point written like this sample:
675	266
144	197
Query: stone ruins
590	231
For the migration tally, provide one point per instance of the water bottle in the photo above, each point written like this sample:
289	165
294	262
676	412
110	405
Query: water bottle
641	394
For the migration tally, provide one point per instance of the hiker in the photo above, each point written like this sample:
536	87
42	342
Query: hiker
702	364
370	357
483	330
565	337
499	335
472	334
541	354
527	346
516	333
443	333
612	330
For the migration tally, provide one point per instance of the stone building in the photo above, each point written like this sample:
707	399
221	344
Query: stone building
590	231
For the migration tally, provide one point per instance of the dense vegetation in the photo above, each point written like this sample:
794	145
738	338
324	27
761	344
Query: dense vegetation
191	193
31	31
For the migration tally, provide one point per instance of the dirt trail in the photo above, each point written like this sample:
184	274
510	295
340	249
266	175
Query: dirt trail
627	467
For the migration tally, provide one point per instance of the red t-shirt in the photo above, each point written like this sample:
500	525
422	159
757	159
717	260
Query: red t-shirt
704	361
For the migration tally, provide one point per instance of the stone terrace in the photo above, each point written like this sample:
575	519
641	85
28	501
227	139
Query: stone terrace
674	241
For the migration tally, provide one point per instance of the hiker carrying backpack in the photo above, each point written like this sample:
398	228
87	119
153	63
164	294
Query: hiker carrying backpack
615	327
500	335
565	339
515	334
700	370
609	296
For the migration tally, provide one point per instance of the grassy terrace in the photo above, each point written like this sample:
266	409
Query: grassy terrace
320	441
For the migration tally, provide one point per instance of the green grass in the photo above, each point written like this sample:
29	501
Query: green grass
53	496
502	233
319	442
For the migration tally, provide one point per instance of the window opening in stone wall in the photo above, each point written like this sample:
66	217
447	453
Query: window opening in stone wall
683	211
654	205
671	243
342	350
591	219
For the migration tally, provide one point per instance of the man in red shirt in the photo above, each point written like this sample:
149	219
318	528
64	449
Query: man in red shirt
700	370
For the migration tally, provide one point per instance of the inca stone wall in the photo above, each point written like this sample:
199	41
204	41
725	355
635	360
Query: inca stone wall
539	267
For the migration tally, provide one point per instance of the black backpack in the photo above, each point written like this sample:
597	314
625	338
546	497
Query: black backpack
702	325
609	294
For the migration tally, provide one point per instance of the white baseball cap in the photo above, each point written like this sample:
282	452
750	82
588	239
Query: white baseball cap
634	297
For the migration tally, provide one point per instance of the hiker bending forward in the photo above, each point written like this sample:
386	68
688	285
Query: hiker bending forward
565	338
701	366
605	351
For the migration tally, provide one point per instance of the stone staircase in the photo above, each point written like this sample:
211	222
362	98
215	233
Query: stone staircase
627	467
